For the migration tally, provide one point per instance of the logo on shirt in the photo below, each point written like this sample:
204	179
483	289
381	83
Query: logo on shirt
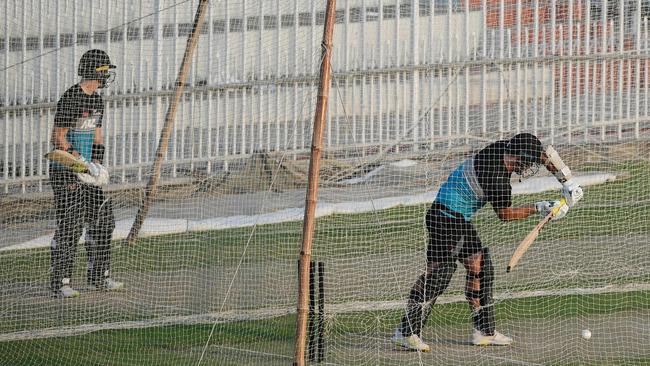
88	120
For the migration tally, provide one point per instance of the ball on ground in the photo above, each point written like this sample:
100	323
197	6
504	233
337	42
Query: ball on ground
586	334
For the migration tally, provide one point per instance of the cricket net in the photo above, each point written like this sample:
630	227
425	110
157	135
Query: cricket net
417	88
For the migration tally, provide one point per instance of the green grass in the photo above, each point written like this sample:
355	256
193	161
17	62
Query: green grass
617	209
183	344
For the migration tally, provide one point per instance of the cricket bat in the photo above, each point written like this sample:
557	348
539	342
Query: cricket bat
530	238
67	160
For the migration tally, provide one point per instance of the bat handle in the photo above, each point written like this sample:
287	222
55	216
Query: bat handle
508	269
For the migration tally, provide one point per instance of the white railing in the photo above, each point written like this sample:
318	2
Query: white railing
404	71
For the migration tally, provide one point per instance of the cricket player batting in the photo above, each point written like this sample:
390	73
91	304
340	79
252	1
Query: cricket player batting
483	178
79	198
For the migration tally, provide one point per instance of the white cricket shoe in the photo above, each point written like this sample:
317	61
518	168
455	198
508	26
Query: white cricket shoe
109	284
498	339
112	285
412	342
66	292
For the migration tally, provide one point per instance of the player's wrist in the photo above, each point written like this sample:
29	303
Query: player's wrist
70	149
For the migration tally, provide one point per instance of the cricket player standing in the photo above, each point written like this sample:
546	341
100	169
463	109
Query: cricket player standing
79	199
452	237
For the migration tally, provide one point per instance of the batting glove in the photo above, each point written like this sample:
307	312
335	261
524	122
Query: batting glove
559	209
572	192
543	207
97	175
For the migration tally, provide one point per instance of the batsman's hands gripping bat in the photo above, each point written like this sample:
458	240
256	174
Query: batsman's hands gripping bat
97	175
73	163
559	208
572	192
89	173
553	210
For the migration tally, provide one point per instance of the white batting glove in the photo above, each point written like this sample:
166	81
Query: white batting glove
543	207
94	169
559	209
572	192
97	175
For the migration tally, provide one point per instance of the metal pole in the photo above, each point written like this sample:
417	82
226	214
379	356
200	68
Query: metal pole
312	186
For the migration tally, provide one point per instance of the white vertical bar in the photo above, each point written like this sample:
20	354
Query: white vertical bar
509	98
244	26
611	50
226	44
142	101
526	83
535	64
245	108
603	73
562	80
43	80
466	28
362	35
75	30
569	83
553	30
415	80
91	28
6	98
157	75
502	10
594	72
210	117
587	50
501	57
261	76
396	39
380	43
637	69
518	98
57	42
371	106
483	70
347	38
124	137
448	35
260	48
23	87
621	67
226	129
577	78
646	103
217	118
278	62
277	126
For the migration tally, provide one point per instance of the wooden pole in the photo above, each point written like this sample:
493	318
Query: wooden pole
152	185
312	185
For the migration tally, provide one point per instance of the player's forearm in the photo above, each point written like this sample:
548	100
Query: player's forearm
59	140
515	213
99	137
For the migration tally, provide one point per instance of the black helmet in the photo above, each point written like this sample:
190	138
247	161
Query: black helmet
96	65
527	147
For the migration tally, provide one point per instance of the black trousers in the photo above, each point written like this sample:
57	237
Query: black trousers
79	205
451	238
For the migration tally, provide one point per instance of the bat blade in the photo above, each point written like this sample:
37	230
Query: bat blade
67	160
526	242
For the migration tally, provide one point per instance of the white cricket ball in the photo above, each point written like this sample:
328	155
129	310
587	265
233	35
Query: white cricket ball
586	334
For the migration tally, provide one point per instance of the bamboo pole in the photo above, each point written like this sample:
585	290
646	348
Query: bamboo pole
152	185
312	186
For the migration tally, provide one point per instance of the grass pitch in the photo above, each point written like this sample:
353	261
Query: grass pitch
370	257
